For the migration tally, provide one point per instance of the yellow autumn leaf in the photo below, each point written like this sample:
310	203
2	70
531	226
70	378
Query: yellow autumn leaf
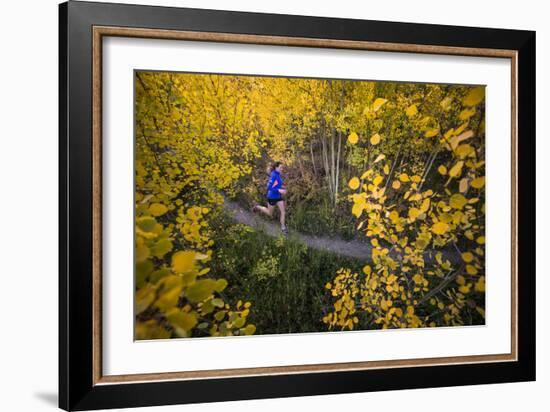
425	205
411	110
364	175
180	319
455	140
446	103
471	269
358	207
474	96
379	158
457	201
377	180
158	209
375	139
145	297
354	183
440	228
396	184
464	150
456	170
183	261
353	138
480	284
142	253
418	279
442	170
431	132
478	182
414	213
463	185
378	103
467	257
404	177
466	114
465	289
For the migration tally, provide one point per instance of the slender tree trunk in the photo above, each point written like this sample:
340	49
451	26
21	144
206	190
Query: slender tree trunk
324	145
428	167
393	167
312	158
337	180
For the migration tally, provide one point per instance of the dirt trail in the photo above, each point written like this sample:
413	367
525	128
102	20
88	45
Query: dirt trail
353	248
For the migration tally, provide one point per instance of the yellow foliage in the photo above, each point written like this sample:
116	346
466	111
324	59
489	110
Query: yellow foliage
158	209
411	110
474	96
353	138
478	182
378	103
440	228
354	183
456	170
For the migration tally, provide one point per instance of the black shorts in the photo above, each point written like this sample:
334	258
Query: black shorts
273	202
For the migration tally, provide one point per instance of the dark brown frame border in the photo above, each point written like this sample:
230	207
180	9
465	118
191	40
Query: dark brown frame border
81	383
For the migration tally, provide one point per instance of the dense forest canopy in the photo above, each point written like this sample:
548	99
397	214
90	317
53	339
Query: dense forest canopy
397	166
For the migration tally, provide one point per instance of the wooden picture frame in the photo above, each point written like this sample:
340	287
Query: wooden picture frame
82	385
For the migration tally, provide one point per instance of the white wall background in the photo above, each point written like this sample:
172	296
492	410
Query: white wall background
28	202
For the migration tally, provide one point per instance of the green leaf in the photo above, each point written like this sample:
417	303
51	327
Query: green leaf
177	317
159	274
200	290
239	322
171	287
143	270
146	223
161	248
221	284
217	302
457	201
145	297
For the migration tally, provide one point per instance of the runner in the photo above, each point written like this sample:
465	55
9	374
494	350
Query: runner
274	195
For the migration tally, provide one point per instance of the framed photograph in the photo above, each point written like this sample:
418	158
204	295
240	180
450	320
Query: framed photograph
256	205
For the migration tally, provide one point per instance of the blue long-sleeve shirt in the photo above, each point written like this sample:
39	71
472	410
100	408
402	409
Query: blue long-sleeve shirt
273	185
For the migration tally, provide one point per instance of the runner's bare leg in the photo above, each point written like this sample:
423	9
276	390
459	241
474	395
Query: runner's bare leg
267	210
281	206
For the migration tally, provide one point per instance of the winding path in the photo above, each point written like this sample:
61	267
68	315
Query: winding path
353	248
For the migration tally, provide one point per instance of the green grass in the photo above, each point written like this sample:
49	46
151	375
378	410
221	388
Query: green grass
282	278
319	217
